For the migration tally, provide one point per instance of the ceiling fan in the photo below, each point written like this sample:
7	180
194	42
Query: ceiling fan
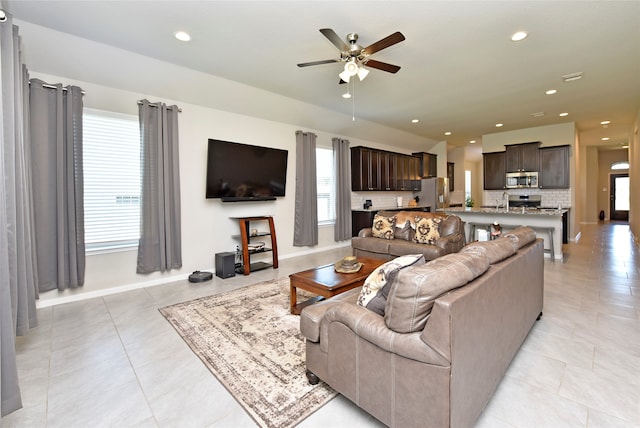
355	56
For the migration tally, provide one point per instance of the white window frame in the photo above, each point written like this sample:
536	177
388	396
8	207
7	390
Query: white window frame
111	157
326	187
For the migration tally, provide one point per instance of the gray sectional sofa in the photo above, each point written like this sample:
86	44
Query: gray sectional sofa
449	331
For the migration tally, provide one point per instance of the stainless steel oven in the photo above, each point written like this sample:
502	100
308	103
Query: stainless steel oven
517	180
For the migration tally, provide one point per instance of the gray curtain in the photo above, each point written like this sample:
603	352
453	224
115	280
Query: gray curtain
305	227
160	232
56	139
342	168
18	277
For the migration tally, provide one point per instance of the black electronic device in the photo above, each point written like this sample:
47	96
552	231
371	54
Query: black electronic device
241	172
225	265
198	276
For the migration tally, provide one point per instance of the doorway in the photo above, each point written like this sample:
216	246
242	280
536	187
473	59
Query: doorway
619	197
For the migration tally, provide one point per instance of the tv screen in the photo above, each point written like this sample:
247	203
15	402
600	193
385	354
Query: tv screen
242	172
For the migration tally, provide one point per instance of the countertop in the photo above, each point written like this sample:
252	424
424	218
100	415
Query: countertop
511	211
392	208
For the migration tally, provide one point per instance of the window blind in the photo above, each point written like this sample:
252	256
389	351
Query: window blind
111	156
325	186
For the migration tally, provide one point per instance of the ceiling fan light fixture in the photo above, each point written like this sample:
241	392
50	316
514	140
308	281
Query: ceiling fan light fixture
362	73
351	67
345	76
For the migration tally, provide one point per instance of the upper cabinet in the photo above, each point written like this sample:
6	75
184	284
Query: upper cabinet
522	157
373	169
428	164
554	167
494	170
365	169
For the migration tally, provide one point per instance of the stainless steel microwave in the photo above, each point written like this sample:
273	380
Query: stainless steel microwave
522	179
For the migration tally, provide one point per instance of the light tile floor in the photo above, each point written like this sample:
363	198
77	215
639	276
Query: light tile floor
115	361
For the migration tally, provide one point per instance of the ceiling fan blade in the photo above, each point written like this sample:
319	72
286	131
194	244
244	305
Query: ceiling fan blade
335	39
390	68
325	61
391	40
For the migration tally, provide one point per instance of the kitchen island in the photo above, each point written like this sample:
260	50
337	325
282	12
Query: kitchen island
546	222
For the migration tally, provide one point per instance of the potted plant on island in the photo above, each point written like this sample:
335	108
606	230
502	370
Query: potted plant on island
469	202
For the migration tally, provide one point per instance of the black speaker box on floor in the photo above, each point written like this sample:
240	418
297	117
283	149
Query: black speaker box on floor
225	265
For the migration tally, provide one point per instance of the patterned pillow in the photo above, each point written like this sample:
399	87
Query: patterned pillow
383	227
427	230
376	287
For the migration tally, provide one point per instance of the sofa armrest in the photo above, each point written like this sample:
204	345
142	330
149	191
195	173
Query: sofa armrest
451	243
311	316
365	233
371	327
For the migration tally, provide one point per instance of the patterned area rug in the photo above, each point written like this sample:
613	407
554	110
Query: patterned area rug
250	342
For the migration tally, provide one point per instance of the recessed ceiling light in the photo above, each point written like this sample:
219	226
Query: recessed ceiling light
472	141
626	146
498	125
447	133
182	36
605	122
563	114
3	16
520	35
346	95
605	138
538	114
415	120
551	91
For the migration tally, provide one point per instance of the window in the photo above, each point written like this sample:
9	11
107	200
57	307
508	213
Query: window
325	186
467	184
620	165
111	155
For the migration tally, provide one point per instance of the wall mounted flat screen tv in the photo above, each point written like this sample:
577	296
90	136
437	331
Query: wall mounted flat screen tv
242	172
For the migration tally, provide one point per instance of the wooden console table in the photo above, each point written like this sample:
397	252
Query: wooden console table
246	236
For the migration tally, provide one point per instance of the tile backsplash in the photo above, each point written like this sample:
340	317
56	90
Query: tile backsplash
549	198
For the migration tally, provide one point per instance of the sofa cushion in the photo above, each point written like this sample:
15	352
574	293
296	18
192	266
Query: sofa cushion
521	236
412	294
373	295
399	247
383	227
427	230
403	230
496	250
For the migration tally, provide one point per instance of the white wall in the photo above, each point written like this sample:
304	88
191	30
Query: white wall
109	77
551	135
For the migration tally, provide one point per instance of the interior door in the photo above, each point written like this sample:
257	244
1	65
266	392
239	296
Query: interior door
619	197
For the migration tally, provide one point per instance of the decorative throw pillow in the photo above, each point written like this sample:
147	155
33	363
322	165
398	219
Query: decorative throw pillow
383	227
427	230
376	287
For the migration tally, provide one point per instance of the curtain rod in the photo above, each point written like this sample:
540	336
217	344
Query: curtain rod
45	85
156	105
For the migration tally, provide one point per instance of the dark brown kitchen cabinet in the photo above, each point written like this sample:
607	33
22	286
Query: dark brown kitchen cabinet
554	167
522	157
408	173
373	169
494	170
428	164
365	169
388	171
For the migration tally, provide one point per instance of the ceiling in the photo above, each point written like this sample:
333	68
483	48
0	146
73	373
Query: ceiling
460	70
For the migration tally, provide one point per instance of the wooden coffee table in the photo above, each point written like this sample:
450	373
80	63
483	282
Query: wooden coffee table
326	282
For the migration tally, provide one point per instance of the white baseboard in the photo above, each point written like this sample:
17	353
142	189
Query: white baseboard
81	295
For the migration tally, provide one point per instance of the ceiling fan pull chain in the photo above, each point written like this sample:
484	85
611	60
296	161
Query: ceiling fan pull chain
353	100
